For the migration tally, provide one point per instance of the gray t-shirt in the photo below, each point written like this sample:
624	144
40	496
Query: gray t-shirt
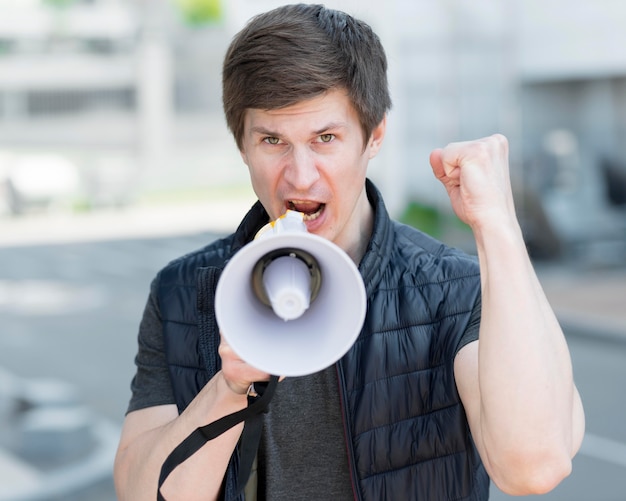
151	384
302	454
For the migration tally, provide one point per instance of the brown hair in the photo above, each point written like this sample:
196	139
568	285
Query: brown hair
297	52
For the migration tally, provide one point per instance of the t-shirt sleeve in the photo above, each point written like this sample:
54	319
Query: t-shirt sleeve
473	326
151	384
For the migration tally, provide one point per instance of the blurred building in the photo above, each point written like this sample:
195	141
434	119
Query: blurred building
548	74
573	121
60	61
141	83
67	85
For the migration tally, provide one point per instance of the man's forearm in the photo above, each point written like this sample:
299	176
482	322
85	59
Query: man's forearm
141	455
530	408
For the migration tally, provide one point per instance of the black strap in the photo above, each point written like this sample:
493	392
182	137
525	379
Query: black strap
252	415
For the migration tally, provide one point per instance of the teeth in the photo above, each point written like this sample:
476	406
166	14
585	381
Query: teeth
294	204
315	215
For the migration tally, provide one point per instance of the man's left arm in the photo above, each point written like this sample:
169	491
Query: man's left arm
516	382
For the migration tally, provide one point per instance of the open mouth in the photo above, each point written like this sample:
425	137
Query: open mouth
311	210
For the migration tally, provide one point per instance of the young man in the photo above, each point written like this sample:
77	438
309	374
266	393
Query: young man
419	408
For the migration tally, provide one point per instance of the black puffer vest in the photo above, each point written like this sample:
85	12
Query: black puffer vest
408	436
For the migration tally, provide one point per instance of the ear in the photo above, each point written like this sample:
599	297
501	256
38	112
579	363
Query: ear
377	137
244	157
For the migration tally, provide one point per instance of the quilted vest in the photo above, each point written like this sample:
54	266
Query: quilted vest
407	433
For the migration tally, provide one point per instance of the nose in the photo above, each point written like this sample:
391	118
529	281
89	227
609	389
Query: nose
301	171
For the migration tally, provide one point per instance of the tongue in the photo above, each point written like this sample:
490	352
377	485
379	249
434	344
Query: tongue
306	207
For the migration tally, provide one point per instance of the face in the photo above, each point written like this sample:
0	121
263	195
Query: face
310	157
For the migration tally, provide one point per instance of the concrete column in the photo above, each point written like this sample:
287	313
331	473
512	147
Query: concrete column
154	99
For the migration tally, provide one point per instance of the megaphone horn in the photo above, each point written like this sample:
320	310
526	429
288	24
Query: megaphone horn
291	303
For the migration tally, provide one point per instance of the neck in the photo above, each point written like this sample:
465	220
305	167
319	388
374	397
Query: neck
362	231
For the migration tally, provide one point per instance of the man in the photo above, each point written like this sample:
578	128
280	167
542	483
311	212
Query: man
419	408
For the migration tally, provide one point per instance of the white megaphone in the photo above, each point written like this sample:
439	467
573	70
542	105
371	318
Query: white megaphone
290	303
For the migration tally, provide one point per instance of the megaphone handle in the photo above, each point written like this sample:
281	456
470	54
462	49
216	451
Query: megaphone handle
257	405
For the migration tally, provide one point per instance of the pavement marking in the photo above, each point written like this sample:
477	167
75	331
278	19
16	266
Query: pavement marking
15	473
604	449
21	482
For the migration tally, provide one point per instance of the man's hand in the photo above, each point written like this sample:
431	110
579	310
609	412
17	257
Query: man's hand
476	177
149	436
237	373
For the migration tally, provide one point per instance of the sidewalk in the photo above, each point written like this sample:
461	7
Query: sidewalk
589	301
141	221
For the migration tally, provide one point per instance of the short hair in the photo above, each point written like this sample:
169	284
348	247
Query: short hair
298	52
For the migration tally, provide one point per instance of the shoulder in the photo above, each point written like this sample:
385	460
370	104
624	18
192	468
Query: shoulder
183	269
216	253
430	256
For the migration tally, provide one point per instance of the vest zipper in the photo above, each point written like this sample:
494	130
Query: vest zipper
347	432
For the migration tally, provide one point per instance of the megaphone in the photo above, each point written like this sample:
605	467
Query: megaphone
290	303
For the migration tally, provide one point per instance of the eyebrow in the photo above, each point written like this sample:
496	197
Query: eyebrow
267	132
331	126
263	131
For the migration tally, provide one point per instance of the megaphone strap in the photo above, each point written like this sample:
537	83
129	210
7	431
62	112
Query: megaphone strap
252	415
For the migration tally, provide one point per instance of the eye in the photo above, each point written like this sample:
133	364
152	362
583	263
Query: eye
327	138
271	140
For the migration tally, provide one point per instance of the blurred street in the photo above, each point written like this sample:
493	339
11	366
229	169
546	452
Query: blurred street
70	306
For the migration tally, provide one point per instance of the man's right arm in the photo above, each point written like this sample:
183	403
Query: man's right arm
149	435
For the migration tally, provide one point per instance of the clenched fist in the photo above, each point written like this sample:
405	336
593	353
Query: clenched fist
476	177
